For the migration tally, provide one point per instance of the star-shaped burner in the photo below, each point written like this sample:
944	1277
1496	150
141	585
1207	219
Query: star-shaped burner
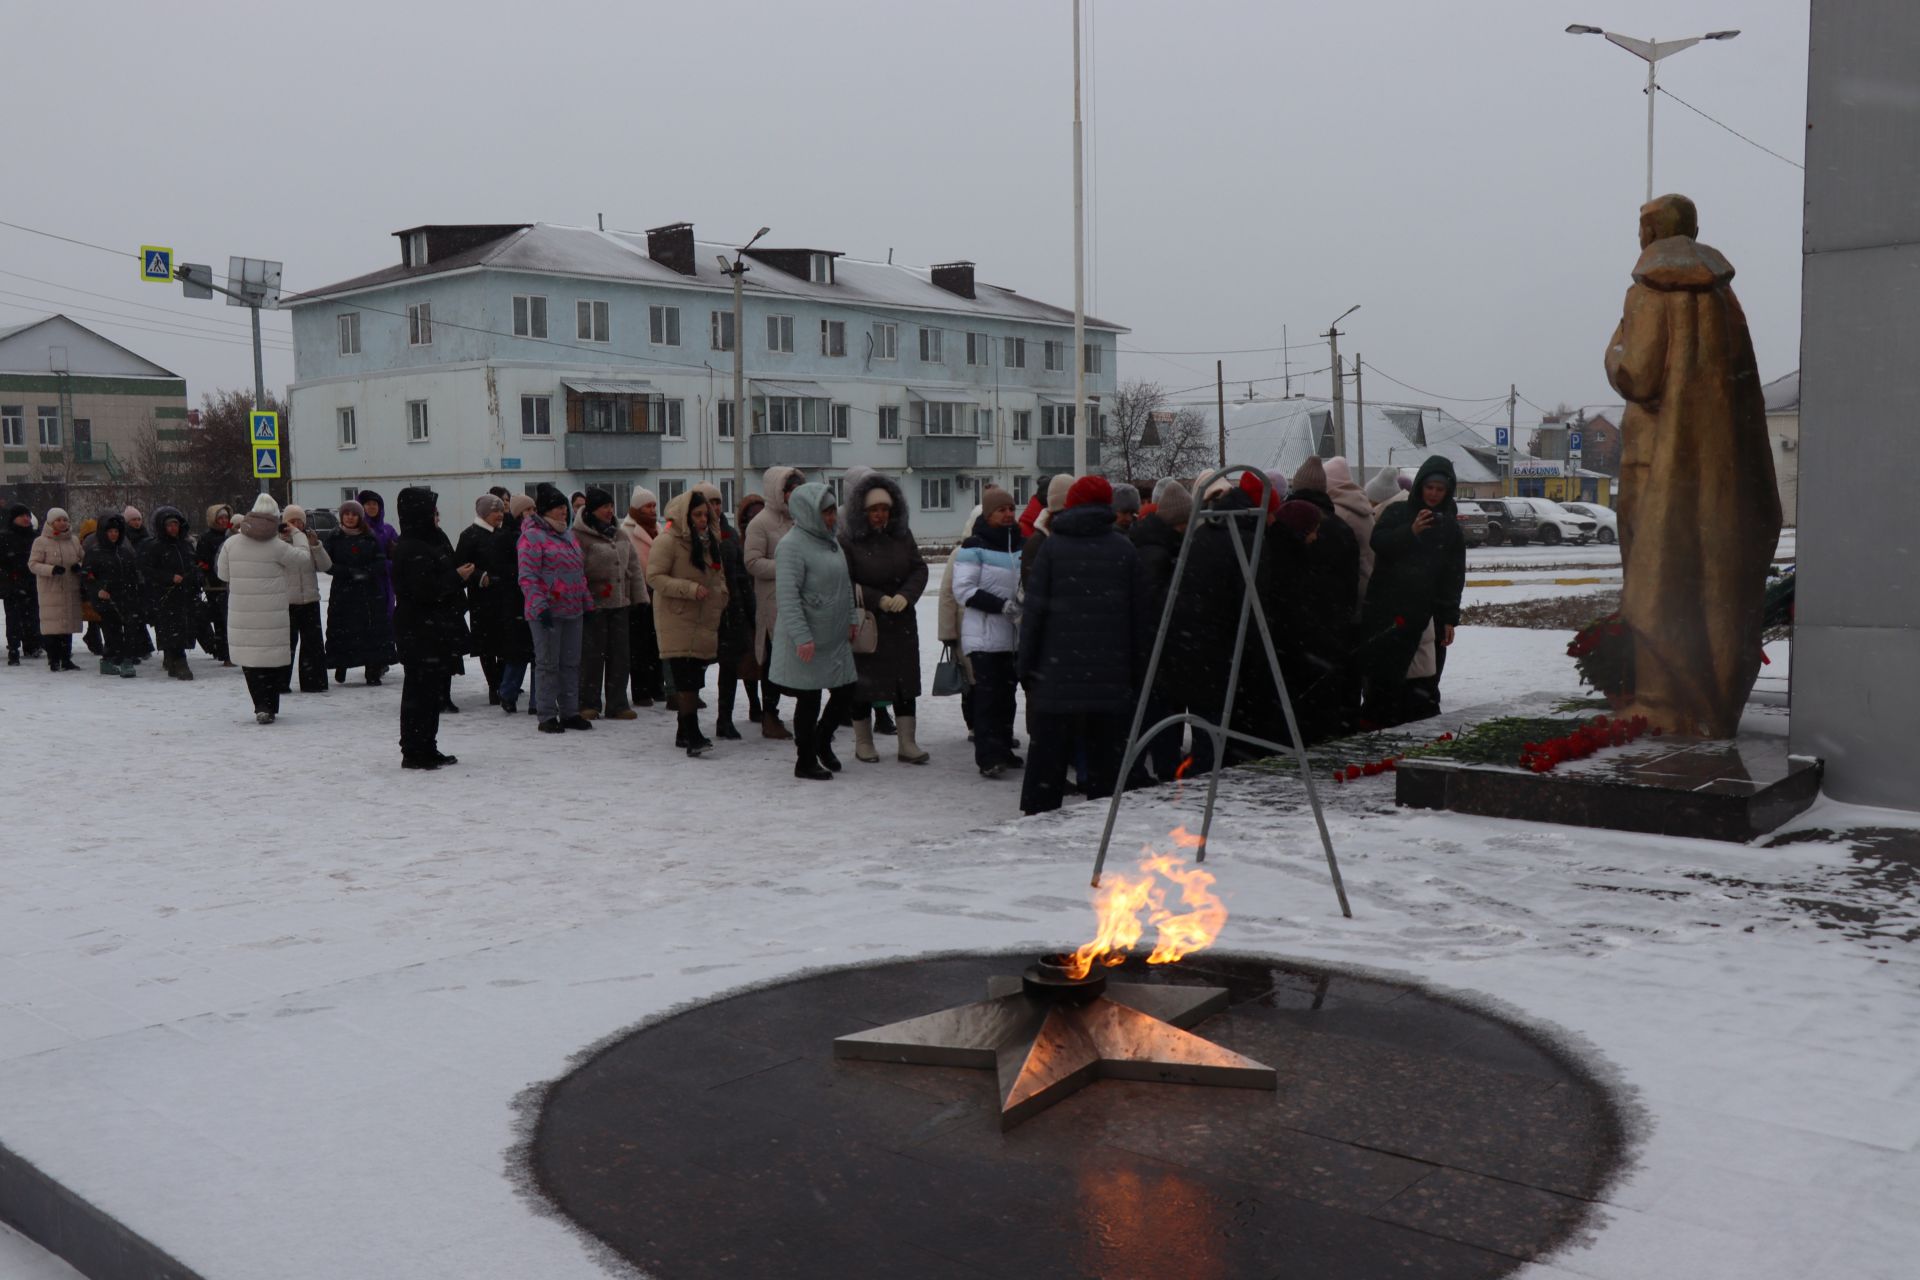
1047	1035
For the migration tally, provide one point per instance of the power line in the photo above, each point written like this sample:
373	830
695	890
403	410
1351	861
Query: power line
184	328
1242	351
122	324
144	306
1435	394
1729	128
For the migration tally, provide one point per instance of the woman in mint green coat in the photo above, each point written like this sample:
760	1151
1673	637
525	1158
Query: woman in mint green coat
815	622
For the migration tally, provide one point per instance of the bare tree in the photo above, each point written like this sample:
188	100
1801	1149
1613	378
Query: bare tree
214	462
1147	439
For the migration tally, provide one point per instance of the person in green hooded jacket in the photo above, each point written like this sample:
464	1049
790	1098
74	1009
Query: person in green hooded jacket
815	622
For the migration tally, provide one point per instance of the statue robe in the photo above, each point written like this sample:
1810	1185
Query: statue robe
1699	508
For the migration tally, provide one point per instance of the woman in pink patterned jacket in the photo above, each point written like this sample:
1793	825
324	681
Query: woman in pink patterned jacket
553	579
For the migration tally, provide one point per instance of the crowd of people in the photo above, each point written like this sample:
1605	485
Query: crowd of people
588	614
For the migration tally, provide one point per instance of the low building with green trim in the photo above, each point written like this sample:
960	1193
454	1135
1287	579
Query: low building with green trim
74	405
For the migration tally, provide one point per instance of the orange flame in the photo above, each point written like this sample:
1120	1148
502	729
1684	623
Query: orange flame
1120	901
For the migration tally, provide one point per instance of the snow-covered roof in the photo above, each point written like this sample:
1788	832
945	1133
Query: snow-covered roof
1783	393
30	349
554	249
1279	435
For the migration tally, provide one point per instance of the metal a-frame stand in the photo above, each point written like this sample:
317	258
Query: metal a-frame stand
1222	733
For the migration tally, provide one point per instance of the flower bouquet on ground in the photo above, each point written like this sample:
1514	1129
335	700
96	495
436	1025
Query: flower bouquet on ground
1603	653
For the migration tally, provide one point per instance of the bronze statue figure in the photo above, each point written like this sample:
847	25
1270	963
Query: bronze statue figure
1699	511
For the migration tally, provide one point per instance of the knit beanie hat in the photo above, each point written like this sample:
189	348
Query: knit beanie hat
641	497
264	505
1338	473
1057	490
358	512
598	498
1090	491
486	504
1251	485
1383	486
993	498
130	513
1175	503
879	497
519	506
1299	516
1311	477
546	498
290	513
1126	497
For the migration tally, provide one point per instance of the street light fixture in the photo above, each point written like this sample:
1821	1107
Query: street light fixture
1651	51
738	270
1332	335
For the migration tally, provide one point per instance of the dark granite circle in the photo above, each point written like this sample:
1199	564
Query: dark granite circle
1411	1136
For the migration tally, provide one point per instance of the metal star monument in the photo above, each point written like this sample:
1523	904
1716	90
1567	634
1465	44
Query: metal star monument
1048	1036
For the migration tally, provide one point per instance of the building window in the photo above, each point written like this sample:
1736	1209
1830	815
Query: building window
983	423
1022	490
49	426
726	495
790	415
667	418
1016	353
349	322
979	349
820	268
350	494
591	322
416	422
597	414
780	334
936	495
724	419
663	326
720	331
1056	356
669	490
842	422
936	419
529	315
1056	419
833	337
416	248
13	426
1022	424
889	422
839	486
1090	357
420	324
886	342
930	347
536	415
349	431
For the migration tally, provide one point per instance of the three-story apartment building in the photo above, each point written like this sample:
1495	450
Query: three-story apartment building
526	353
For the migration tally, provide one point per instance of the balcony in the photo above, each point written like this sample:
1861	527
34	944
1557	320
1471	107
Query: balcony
942	452
808	450
613	450
1053	454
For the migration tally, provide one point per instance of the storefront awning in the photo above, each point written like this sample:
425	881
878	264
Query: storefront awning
944	395
624	387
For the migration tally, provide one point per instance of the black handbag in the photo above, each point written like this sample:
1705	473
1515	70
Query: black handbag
948	678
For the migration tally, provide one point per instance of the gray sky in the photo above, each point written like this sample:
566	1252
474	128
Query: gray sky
1464	170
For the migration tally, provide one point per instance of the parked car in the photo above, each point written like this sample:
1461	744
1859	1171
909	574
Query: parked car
1556	524
322	520
1509	520
1605	518
1473	523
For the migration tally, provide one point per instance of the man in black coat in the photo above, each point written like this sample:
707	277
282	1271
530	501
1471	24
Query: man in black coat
429	625
170	578
1084	640
1157	537
20	594
1330	591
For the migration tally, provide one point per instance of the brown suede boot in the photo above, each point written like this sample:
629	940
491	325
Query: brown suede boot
770	727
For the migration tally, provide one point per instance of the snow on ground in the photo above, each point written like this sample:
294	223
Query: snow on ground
271	1001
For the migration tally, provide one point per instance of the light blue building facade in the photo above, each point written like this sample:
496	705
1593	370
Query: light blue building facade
520	354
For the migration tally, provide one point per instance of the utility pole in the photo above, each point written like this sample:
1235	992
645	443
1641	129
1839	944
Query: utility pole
1286	364
1332	335
738	270
1080	430
1220	398
1359	415
1652	51
197	282
1513	392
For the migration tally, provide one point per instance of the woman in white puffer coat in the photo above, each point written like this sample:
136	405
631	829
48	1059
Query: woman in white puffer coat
255	564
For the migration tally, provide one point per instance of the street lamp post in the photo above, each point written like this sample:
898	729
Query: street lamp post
738	270
1651	51
1332	335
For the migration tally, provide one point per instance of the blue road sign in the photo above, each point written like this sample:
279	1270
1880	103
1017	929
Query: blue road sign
1573	441
266	462
509	464
156	264
266	426
1502	437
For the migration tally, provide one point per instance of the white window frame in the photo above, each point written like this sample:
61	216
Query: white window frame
939	418
663	326
833	338
348	323
420	324
530	321
820	268
667	417
416	249
1057	420
536	417
348	493
792	415
668	490
889	418
346	427
1090	356
1015	354
983	423
936	493
723	419
886	341
1022	425
47	423
720	334
979	348
780	334
1022	490
931	349
727	503
842	418
419	425
13	427
592	320
1055	354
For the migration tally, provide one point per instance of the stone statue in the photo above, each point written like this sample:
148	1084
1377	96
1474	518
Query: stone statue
1699	511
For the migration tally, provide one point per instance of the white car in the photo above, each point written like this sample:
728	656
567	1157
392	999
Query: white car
1558	525
1604	517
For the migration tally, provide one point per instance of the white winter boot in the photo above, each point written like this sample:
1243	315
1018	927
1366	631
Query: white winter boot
910	752
863	741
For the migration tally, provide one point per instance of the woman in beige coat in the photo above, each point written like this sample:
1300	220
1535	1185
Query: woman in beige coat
55	564
688	581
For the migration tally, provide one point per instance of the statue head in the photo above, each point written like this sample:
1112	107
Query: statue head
1665	216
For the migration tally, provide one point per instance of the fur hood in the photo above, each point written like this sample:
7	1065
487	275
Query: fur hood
853	521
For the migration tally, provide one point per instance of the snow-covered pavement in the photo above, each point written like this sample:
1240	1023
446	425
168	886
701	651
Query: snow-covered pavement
271	1002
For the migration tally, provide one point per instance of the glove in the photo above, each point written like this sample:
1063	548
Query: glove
893	604
546	619
59	570
986	602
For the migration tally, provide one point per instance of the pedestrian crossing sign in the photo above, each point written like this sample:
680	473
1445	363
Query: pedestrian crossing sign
266	462
266	426
156	264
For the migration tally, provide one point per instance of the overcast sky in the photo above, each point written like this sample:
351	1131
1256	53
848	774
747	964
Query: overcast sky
1464	170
